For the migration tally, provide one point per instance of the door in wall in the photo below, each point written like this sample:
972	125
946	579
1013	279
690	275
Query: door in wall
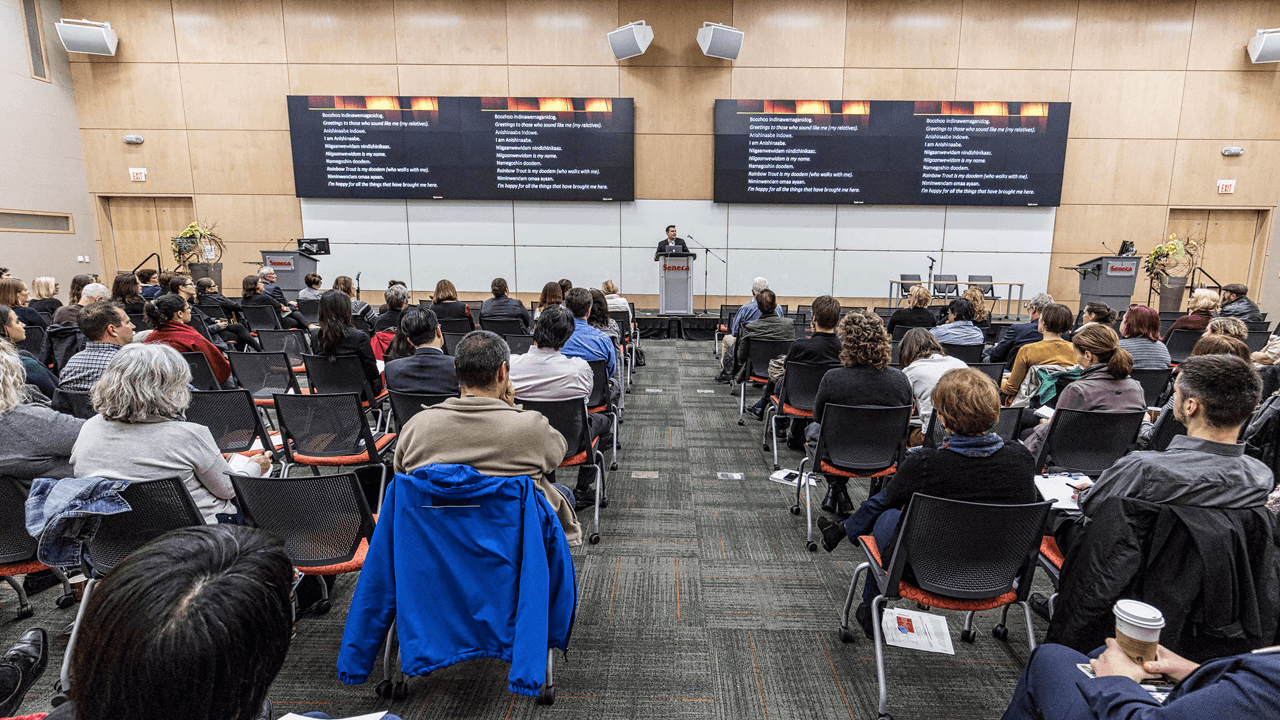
1232	243
139	226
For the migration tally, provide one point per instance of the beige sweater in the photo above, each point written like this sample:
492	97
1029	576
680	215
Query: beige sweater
495	439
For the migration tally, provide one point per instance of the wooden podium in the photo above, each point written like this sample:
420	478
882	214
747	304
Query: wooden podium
675	283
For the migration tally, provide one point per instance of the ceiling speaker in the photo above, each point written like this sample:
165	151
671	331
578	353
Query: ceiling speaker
631	40
86	36
1265	46
720	41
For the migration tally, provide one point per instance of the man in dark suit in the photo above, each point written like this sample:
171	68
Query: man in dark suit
428	371
671	244
1022	334
269	287
821	349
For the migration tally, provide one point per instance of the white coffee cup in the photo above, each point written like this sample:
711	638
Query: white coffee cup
1138	629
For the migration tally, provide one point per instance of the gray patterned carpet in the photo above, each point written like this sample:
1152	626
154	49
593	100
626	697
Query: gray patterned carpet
699	602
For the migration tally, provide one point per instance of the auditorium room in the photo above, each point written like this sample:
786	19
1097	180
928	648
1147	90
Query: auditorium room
613	359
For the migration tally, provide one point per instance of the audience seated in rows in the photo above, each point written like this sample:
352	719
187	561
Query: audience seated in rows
208	293
1051	349
924	362
337	335
1006	348
1104	386
978	299
504	307
822	348
44	291
359	308
1236	304
82	297
917	312
13	293
616	302
959	328
551	295
487	431
13	331
747	312
1200	308
446	305
148	283
769	325
37	440
545	374
312	291
106	328
222	332
397	297
973	464
169	317
1097	313
427	370
139	434
125	290
1140	337
588	342
864	378
253	292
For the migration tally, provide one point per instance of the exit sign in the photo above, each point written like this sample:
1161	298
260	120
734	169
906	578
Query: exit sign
137	174
1226	187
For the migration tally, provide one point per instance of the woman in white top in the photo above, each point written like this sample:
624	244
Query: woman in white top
139	434
924	361
616	302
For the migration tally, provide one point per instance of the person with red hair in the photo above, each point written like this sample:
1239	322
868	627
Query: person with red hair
1140	335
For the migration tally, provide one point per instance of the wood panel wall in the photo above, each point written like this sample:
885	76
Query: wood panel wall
1158	88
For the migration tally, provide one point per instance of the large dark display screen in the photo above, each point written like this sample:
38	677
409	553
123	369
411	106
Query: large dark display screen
466	148
890	152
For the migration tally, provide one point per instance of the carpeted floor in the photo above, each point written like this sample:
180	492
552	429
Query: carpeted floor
699	602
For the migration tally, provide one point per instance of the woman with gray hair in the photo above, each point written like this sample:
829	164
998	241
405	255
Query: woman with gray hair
140	434
37	440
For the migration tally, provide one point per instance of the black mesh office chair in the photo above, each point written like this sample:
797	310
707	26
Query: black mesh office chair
1088	442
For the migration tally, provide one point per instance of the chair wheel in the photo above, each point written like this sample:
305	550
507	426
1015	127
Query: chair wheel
322	607
968	636
594	539
886	716
740	422
604	503
846	635
613	466
547	695
765	446
58	699
65	601
400	690
776	467
811	546
384	689
795	509
1000	632
25	612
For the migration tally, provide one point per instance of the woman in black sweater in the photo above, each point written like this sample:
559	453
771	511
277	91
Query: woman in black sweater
864	378
973	464
918	315
339	336
252	292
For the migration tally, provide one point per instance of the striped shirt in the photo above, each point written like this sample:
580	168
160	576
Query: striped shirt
1147	355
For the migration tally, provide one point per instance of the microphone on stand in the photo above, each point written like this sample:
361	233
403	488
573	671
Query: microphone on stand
357	285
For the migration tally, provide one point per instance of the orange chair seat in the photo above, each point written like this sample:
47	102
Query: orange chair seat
381	396
602	408
580	458
910	592
754	379
22	567
338	460
791	410
351	565
832	469
1049	549
724	329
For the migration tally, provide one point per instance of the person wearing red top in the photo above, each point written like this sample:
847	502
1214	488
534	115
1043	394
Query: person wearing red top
168	316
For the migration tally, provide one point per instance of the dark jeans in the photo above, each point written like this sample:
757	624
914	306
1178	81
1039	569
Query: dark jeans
599	425
226	519
1048	689
239	335
882	531
565	491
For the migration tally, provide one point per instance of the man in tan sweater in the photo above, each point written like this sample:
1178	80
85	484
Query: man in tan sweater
486	429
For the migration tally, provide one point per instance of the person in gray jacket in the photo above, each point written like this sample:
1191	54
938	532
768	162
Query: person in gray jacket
37	440
769	327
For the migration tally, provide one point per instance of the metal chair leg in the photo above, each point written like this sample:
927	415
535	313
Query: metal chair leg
64	678
1031	633
24	606
848	601
382	486
879	641
742	402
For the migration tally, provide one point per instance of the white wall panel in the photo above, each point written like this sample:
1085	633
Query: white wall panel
644	222
469	267
356	221
866	273
782	226
789	272
376	263
1029	268
859	227
1000	229
586	266
461	222
559	224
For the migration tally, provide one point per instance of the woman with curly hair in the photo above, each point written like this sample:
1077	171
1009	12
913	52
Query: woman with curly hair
975	296
864	378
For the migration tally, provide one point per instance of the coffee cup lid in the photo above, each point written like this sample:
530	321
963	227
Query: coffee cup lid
1139	613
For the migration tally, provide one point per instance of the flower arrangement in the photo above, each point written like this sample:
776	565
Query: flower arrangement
198	242
1172	258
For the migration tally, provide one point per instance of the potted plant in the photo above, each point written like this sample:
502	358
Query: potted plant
197	249
1167	266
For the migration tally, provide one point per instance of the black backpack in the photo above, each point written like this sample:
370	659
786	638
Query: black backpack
62	341
1262	434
